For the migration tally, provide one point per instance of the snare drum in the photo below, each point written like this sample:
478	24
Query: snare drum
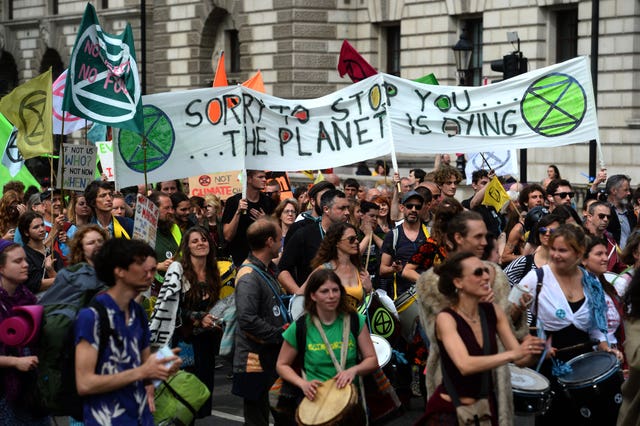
330	405
296	306
408	311
531	391
593	385
382	348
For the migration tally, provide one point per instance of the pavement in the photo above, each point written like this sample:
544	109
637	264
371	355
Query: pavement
227	408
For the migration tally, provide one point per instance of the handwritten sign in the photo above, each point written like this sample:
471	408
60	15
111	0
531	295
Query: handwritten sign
145	223
224	185
230	128
77	166
105	153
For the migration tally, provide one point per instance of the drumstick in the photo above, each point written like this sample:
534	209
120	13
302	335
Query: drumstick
366	263
570	348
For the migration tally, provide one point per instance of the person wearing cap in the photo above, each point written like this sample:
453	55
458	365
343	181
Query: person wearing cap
15	362
295	263
313	215
99	196
401	243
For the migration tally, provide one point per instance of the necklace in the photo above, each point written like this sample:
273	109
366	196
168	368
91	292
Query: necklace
467	316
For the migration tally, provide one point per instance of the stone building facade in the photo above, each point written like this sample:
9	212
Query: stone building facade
295	43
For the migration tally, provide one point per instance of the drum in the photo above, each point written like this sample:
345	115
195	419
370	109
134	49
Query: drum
593	385
296	306
330	406
381	321
227	277
531	391
408	311
382	348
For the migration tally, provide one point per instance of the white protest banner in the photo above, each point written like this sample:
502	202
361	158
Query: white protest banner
548	107
105	153
219	129
145	223
502	162
79	166
223	184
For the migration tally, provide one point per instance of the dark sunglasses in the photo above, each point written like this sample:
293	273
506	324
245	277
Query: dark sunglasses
478	272
564	194
352	239
544	230
270	193
601	216
412	206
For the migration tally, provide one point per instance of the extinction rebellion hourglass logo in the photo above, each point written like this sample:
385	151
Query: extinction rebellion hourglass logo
554	105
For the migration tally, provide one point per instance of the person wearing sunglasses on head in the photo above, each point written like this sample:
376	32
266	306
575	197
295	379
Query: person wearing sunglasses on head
467	232
596	223
340	252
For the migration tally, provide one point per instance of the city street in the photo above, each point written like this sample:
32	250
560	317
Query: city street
227	408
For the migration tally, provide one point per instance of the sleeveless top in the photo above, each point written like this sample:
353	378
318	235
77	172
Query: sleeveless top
469	386
357	291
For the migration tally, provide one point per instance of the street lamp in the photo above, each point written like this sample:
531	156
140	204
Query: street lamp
462	54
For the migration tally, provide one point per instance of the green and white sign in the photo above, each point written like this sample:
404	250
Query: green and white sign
103	83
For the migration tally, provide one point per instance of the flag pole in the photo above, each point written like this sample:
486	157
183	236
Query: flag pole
60	159
144	161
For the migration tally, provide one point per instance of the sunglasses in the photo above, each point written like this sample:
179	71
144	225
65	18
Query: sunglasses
270	193
352	239
289	211
478	272
564	194
544	230
601	216
412	206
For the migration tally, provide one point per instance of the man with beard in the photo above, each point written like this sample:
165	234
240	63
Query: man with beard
622	221
313	215
168	236
241	212
401	243
295	264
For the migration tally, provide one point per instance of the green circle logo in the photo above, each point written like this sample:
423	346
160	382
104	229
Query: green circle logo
160	136
382	323
554	105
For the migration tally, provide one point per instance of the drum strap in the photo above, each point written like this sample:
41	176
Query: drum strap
540	276
346	326
484	387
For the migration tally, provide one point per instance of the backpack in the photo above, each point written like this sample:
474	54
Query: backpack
74	288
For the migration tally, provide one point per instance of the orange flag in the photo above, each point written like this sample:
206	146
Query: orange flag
220	78
256	83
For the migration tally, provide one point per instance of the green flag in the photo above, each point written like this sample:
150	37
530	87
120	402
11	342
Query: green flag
12	166
103	84
431	79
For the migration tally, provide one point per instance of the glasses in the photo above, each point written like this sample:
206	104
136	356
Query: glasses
351	239
289	211
564	194
546	231
411	206
478	272
602	216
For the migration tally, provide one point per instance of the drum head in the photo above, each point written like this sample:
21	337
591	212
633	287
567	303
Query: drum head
526	379
296	306
590	367
610	277
382	348
328	404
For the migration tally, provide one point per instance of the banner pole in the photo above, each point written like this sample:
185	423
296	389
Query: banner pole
61	161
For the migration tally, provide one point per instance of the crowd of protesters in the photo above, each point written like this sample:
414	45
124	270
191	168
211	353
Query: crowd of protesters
446	266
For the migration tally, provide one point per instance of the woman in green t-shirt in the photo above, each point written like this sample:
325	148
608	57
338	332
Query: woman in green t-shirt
325	299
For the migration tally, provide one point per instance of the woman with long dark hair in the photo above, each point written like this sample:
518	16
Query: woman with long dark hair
194	280
339	251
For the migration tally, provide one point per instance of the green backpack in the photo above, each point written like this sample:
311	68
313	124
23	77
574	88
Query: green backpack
179	398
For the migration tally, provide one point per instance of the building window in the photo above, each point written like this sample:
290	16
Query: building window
566	34
10	10
54	7
474	32
233	47
392	37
